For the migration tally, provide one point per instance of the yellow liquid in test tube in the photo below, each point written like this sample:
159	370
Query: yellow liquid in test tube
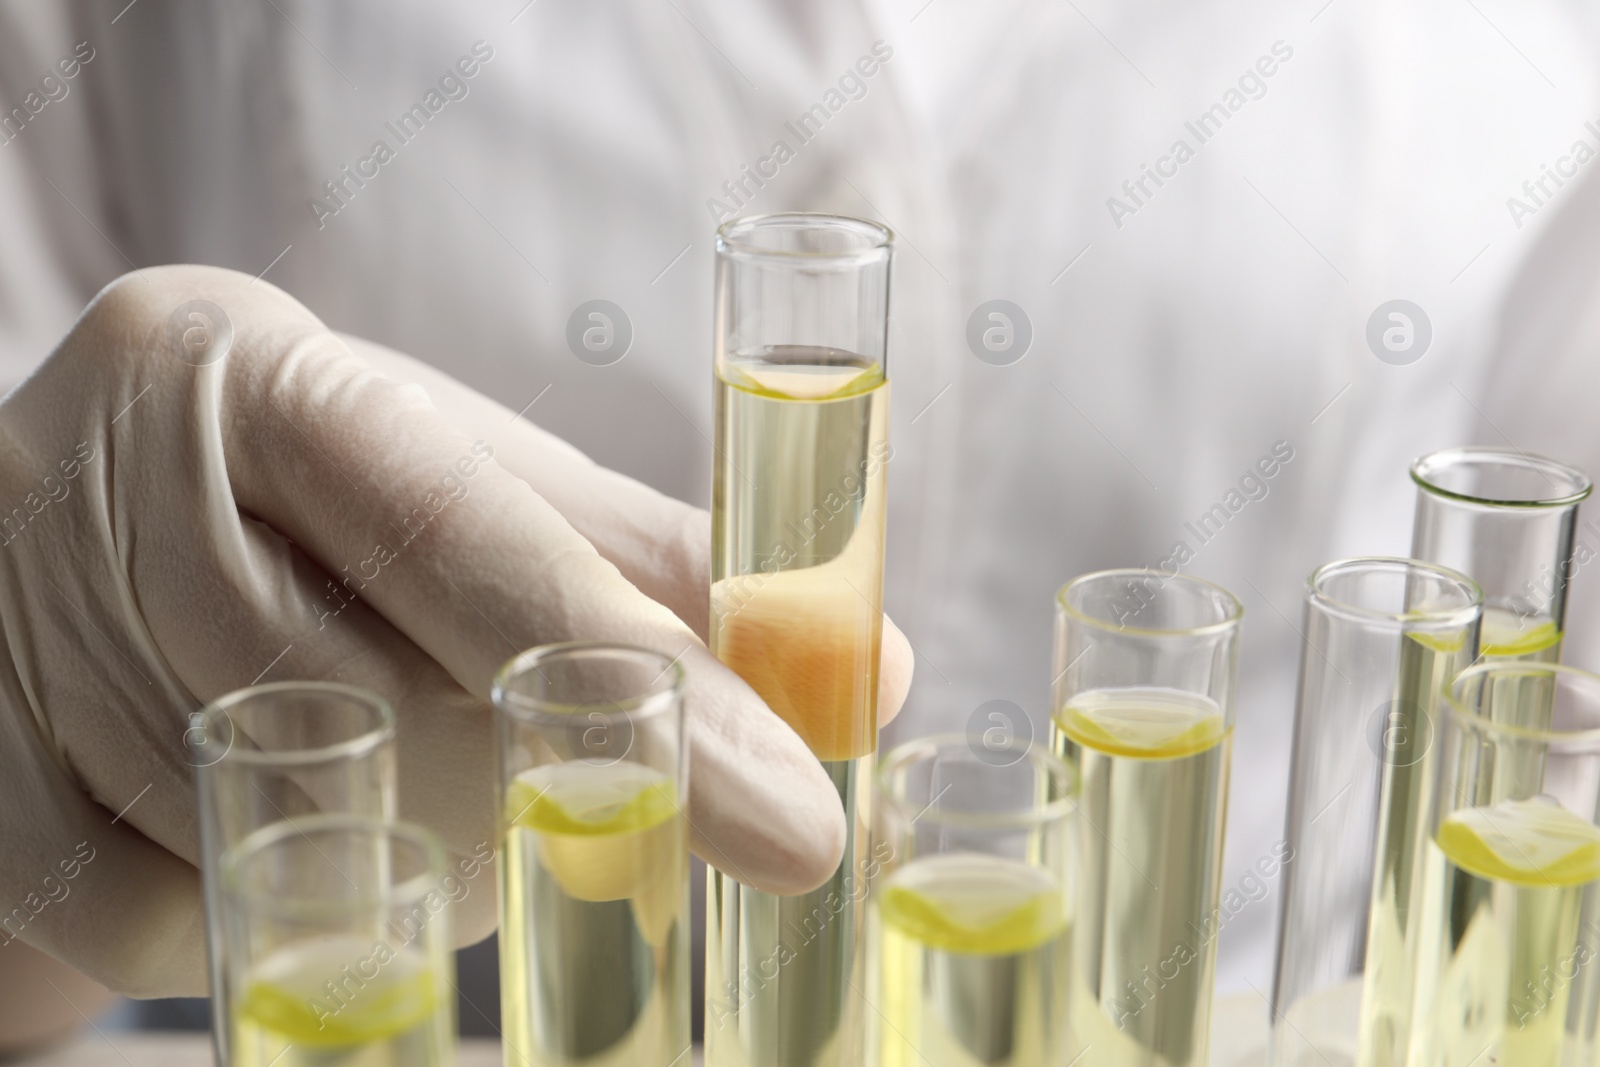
1427	663
798	506
1509	939
595	878
343	1000
798	614
1154	769
973	955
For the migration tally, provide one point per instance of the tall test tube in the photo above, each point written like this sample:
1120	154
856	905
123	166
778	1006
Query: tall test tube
1381	638
798	509
277	752
1506	520
1146	671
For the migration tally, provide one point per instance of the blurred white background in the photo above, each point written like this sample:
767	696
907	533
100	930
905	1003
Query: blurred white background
1172	345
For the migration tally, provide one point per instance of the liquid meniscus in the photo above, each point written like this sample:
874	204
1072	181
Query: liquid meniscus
594	939
1508	935
347	1000
1153	763
973	955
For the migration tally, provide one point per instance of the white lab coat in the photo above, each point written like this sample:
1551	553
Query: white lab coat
1178	334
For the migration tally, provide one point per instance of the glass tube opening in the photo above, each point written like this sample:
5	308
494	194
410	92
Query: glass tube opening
552	684
1150	602
328	865
1011	784
1573	707
802	305
1494	478
1404	593
291	724
808	235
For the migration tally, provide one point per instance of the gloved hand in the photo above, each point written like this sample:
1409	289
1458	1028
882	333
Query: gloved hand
171	531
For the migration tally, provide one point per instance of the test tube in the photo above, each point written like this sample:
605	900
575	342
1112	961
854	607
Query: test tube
1509	922
338	945
275	752
797	528
1146	667
969	938
594	863
1381	637
1507	519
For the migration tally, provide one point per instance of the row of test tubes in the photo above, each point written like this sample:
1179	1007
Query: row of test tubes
1441	906
330	920
1437	742
998	902
1032	903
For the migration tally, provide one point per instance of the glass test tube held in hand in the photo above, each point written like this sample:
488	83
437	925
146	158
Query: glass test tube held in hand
594	865
798	508
1146	669
1382	637
1507	520
1509	922
276	752
338	946
969	934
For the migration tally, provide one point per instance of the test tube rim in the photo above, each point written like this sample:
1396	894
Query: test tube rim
1531	460
538	712
1033	818
278	905
1564	741
878	248
359	745
1231	621
1402	621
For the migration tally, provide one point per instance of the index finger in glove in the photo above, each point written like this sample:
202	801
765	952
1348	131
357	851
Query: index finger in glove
661	545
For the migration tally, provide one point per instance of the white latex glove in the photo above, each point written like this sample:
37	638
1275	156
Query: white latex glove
171	532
